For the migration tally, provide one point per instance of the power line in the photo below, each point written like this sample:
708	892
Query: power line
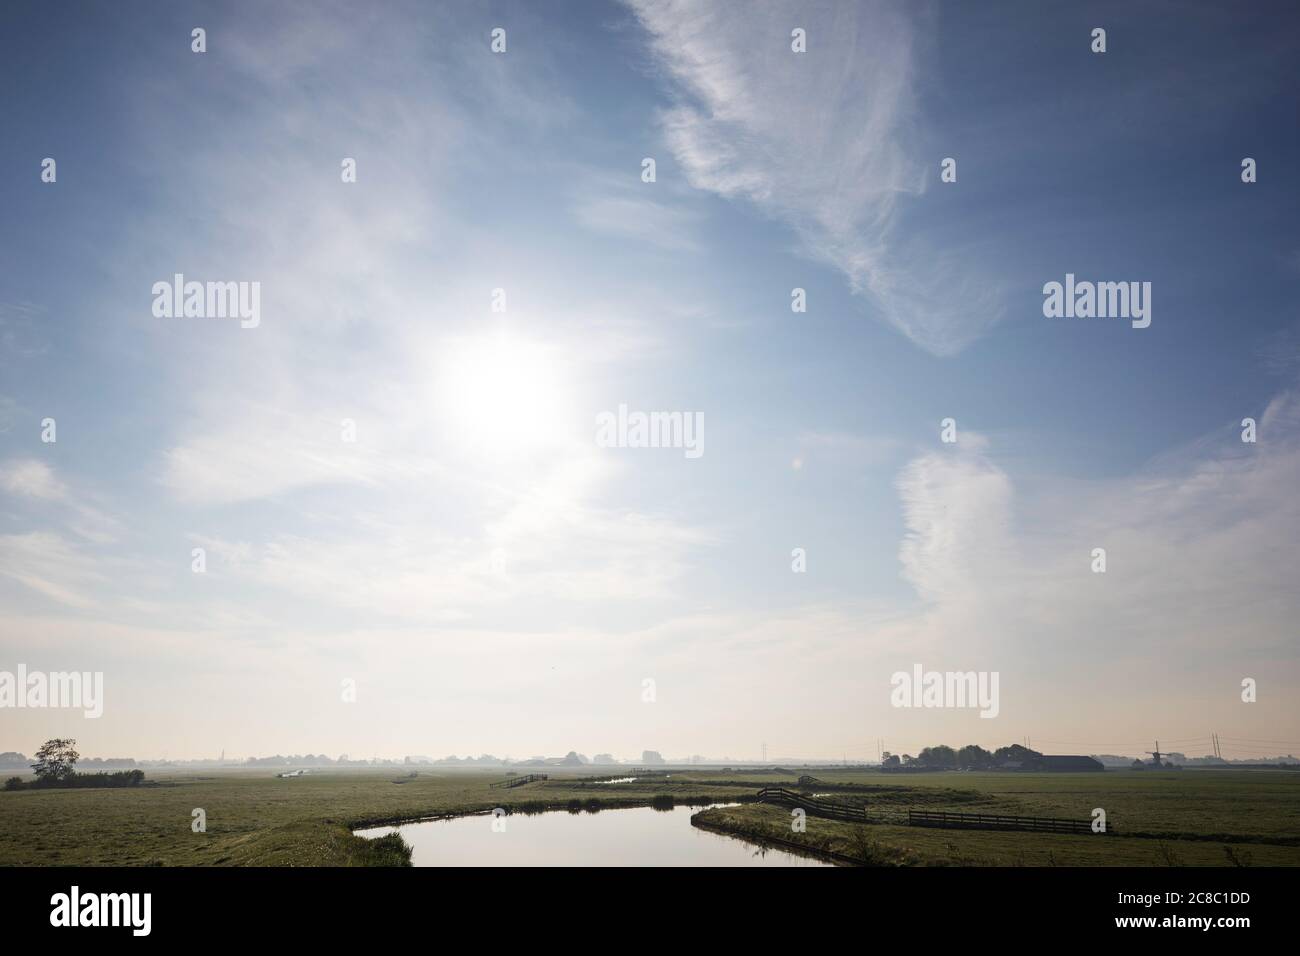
1258	740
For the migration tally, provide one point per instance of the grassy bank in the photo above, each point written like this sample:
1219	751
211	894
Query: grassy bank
255	819
893	845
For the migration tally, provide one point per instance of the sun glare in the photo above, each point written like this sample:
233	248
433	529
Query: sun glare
504	394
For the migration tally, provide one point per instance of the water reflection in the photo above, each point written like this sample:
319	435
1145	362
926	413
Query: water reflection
640	836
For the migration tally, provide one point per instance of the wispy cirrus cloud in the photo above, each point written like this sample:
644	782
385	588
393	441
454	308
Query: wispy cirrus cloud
51	565
1197	545
31	478
822	141
35	481
639	219
956	505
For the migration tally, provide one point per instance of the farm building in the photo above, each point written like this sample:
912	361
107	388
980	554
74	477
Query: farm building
1072	764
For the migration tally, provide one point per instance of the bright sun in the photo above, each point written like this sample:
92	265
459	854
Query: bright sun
503	393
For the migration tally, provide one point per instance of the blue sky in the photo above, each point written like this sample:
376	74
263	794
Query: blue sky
492	579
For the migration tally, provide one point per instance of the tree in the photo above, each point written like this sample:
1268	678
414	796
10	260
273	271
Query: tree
941	757
55	759
1017	755
974	757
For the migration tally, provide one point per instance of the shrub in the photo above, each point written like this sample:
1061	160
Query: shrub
387	850
122	778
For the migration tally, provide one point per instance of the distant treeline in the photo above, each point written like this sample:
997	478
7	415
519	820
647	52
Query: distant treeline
123	778
12	760
970	757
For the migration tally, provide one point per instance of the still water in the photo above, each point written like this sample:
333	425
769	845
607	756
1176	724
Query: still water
639	836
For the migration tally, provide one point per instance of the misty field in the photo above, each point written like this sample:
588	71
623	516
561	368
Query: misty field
1195	818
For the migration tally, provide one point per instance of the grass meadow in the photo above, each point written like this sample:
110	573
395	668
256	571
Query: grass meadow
1192	817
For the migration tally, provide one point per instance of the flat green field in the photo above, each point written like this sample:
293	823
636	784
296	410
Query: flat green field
1194	818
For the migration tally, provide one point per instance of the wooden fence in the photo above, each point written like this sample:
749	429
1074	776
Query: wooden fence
517	781
927	818
993	821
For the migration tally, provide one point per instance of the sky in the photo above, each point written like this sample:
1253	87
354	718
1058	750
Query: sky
414	542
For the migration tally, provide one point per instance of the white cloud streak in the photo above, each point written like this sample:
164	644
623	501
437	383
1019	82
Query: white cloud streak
821	141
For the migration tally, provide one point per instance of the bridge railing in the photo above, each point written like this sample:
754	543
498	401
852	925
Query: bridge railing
820	808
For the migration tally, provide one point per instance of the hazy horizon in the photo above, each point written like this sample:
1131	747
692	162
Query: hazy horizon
589	759
415	535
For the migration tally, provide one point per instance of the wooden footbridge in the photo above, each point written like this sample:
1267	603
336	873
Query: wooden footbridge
811	805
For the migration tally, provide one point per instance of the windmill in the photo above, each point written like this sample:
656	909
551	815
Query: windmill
1156	754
